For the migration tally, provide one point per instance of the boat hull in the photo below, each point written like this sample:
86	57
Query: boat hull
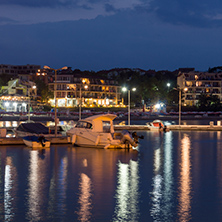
102	140
32	141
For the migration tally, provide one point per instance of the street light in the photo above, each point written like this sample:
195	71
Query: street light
55	88
180	92
33	87
80	96
124	89
168	86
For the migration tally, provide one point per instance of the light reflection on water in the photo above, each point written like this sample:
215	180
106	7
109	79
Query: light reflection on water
127	192
184	189
168	176
34	193
162	193
172	177
10	189
85	195
163	178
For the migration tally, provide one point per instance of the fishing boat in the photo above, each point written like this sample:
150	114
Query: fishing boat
97	131
36	141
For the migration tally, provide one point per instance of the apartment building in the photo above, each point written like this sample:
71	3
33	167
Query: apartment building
18	69
74	89
197	83
16	96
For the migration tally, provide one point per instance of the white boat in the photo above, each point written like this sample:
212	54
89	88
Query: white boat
36	141
98	131
157	125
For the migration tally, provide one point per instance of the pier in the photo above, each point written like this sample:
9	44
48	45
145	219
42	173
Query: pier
172	127
66	140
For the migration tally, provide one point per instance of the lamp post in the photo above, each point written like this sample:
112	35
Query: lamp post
55	88
168	86
180	106
124	89
80	95
180	103
80	104
33	87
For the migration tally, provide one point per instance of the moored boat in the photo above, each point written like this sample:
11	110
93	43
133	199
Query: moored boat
36	141
157	125
30	129
98	131
34	129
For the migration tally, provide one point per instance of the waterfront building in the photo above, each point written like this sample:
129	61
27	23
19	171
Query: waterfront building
74	89
16	96
14	70
198	83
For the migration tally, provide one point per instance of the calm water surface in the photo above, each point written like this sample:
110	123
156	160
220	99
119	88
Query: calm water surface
174	176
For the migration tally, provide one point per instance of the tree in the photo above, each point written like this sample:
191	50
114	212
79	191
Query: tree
43	91
46	94
4	78
209	102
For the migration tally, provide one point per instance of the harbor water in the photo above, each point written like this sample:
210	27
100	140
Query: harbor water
173	176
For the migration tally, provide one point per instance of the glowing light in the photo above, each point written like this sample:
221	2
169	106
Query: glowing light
157	106
7	104
124	89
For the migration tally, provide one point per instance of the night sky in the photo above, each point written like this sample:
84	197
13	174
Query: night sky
105	34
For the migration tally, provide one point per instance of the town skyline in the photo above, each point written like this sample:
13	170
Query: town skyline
112	68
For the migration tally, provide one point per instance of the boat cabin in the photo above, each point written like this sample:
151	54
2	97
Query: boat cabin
98	123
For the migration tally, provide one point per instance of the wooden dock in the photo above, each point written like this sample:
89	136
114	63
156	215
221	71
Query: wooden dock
131	127
196	127
171	127
66	140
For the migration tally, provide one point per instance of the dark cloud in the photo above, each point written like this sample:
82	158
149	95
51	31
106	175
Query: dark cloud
40	3
109	8
195	13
